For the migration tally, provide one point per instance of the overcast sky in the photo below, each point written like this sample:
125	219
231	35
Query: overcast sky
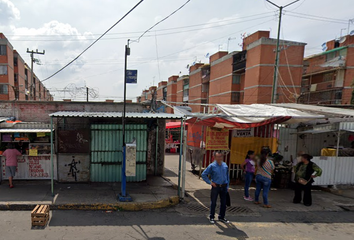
64	28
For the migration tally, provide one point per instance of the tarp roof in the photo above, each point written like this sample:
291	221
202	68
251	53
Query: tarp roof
115	115
329	112
262	112
170	125
3	119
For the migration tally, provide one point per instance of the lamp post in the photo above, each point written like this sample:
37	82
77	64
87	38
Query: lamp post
123	196
275	76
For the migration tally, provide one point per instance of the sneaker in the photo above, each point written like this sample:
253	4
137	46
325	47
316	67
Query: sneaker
248	199
212	220
224	220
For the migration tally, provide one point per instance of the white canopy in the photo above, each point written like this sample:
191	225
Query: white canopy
261	112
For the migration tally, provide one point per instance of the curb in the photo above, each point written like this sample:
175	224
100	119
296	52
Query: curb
127	206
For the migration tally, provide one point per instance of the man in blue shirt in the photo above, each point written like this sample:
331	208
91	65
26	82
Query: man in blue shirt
219	174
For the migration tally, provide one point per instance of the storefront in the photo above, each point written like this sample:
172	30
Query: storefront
33	141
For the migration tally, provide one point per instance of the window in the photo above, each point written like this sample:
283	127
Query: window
205	87
15	78
235	97
2	49
338	95
330	56
15	61
328	77
3	70
4	89
236	79
164	93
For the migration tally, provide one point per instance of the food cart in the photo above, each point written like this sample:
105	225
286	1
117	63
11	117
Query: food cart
33	141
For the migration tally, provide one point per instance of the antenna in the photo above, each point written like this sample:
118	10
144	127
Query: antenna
341	30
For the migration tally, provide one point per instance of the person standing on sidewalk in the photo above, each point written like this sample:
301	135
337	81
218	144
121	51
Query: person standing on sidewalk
219	174
249	167
265	169
305	172
11	162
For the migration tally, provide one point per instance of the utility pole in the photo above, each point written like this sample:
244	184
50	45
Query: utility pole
275	76
87	94
123	196
32	61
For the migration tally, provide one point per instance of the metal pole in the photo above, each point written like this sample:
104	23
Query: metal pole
87	94
157	145
336	161
180	160
275	76
51	156
124	197
31	86
184	162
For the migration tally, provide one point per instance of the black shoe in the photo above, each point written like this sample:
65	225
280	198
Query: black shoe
224	220
212	220
307	205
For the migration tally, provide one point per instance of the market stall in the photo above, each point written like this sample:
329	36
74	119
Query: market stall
33	141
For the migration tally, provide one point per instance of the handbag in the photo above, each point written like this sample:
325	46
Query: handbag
228	199
303	181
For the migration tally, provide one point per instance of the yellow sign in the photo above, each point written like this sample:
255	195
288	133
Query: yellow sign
40	134
217	139
241	145
33	152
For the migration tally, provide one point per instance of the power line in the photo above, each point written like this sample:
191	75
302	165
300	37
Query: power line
186	49
94	42
305	14
139	32
162	20
132	37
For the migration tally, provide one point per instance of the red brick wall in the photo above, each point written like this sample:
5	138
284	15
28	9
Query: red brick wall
254	37
220	82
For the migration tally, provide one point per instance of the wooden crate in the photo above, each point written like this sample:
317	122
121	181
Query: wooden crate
40	215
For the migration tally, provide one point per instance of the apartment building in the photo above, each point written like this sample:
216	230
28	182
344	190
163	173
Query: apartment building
241	77
16	82
328	77
161	91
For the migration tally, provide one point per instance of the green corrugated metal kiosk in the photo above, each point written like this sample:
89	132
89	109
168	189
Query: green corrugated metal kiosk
105	146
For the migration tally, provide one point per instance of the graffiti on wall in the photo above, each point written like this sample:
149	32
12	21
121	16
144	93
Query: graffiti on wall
73	171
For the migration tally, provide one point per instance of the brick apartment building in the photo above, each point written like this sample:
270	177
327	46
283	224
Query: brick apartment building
242	77
15	77
328	77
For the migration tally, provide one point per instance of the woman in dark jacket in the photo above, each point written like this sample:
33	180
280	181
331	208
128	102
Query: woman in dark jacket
305	172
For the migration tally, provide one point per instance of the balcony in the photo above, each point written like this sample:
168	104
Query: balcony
239	62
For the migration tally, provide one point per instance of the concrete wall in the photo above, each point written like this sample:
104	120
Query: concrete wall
74	167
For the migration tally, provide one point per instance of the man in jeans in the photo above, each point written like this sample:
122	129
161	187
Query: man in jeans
219	174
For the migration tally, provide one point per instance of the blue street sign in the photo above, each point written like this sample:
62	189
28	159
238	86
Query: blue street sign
132	76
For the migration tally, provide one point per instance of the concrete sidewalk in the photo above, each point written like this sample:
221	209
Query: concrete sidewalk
279	199
156	192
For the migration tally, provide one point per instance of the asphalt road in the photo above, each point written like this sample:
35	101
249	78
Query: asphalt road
174	224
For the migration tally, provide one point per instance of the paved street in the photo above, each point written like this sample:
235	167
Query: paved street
171	224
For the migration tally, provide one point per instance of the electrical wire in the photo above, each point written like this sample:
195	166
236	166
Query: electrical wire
139	32
132	37
309	15
137	40
93	42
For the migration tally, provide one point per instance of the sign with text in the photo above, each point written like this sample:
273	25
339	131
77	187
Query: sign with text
130	156
243	132
217	139
132	76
